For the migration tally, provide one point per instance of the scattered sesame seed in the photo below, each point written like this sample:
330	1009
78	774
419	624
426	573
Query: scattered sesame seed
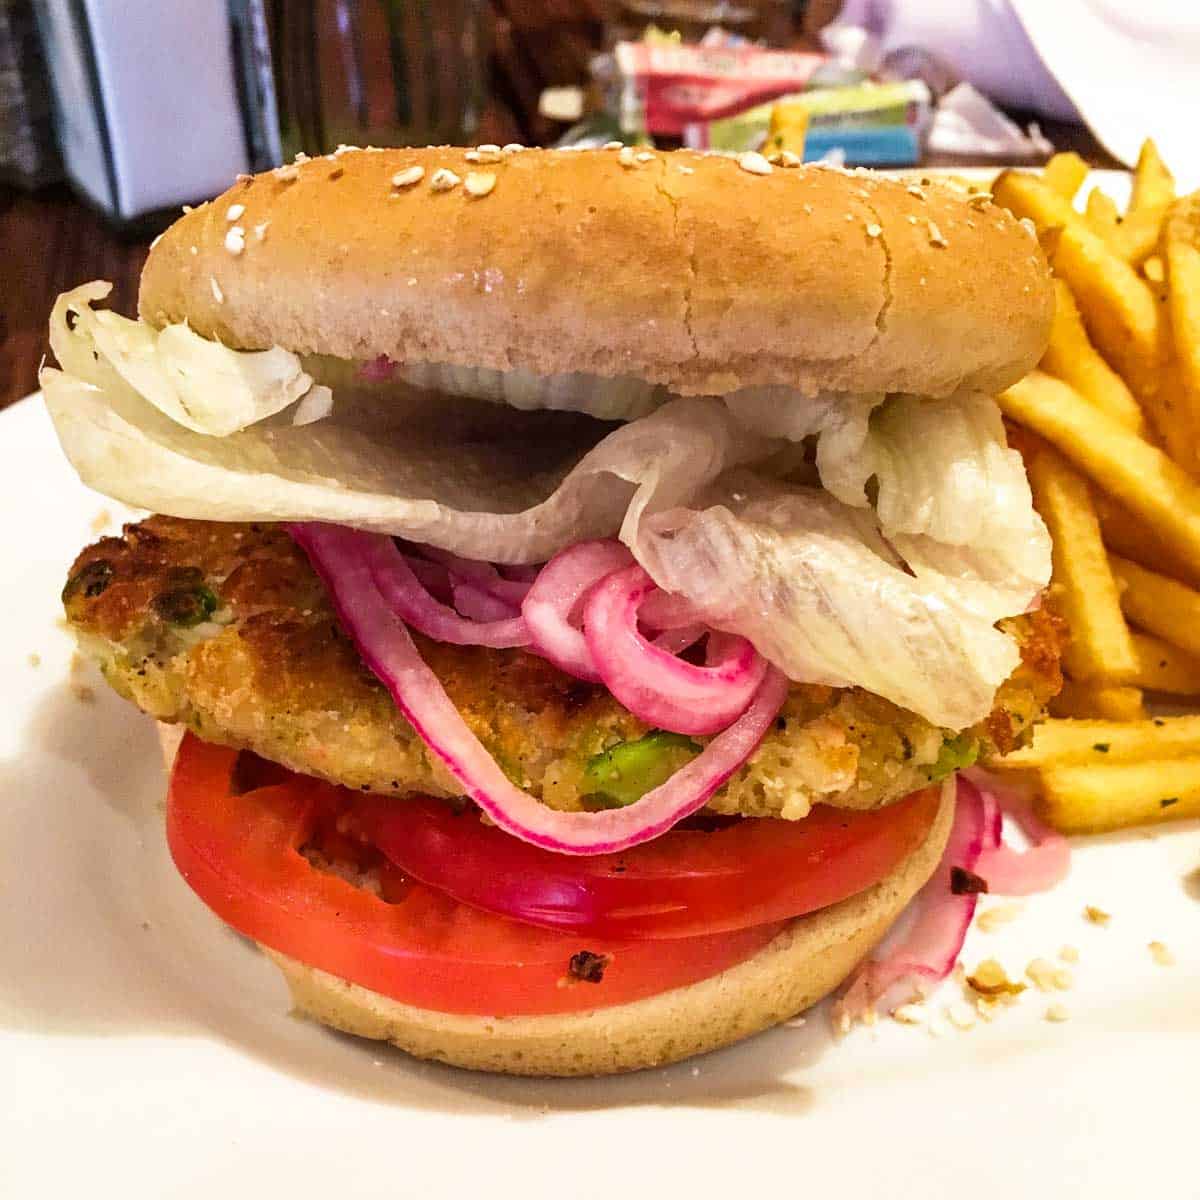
479	183
244	178
979	199
909	1014
286	173
1069	954
970	224
789	158
235	240
260	230
873	230
233	212
774	158
512	148
444	180
849	216
808	209
613	146
487	153
625	158
795	1023
936	237
194	249
408	177
1097	916
344	149
1029	227
999	914
300	158
686	170
644	156
187	208
913	190
156	241
218	295
754	163
1057	1013
921	281
911	219
412	281
472	156
1161	954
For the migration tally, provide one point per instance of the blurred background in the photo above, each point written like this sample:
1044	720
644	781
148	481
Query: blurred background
113	113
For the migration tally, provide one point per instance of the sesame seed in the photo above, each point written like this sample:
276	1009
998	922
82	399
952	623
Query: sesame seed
244	178
1029	227
936	237
479	183
808	209
218	295
873	231
489	152
408	177
645	156
512	148
412	281
194	249
187	208
753	163
235	240
913	190
789	158
911	219
613	146
233	212
979	199
686	170
625	158
849	216
472	156
260	230
300	158
774	158
1161	954
156	241
444	179
921	281
1057	1013
286	173
344	149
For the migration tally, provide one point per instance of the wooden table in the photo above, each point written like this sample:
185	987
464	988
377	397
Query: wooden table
50	241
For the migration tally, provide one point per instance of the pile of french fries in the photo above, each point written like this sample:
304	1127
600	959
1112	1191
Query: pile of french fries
1110	428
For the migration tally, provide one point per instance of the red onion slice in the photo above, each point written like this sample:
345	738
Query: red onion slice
473	602
654	685
348	561
554	595
926	953
404	593
378	370
1008	871
483	575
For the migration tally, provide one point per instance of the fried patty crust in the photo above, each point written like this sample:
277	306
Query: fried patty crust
227	629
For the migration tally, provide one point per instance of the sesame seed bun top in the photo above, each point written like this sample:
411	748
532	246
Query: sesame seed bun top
700	272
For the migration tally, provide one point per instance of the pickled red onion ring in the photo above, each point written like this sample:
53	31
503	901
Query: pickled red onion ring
479	605
1008	871
483	575
399	586
654	685
926	953
349	561
552	599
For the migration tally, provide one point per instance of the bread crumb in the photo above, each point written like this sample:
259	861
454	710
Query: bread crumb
999	914
1069	954
83	693
909	1014
1041	972
961	1015
76	663
101	521
35	660
1161	954
1057	1013
1097	916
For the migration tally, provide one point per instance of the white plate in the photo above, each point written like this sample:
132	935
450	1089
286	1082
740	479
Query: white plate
146	1051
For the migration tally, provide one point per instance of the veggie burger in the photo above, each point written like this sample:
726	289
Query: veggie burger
579	574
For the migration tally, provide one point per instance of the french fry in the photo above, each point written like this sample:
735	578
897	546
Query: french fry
1085	591
1153	183
1153	270
1118	307
1136	235
1096	799
1101	213
1063	743
1182	244
1145	481
1165	668
1070	356
1064	174
1134	538
1025	195
1103	701
1161	605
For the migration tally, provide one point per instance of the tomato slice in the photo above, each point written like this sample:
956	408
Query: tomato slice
240	852
686	883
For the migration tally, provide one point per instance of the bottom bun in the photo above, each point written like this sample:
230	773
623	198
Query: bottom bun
806	962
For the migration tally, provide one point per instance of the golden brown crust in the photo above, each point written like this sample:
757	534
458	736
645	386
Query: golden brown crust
806	962
274	673
683	269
